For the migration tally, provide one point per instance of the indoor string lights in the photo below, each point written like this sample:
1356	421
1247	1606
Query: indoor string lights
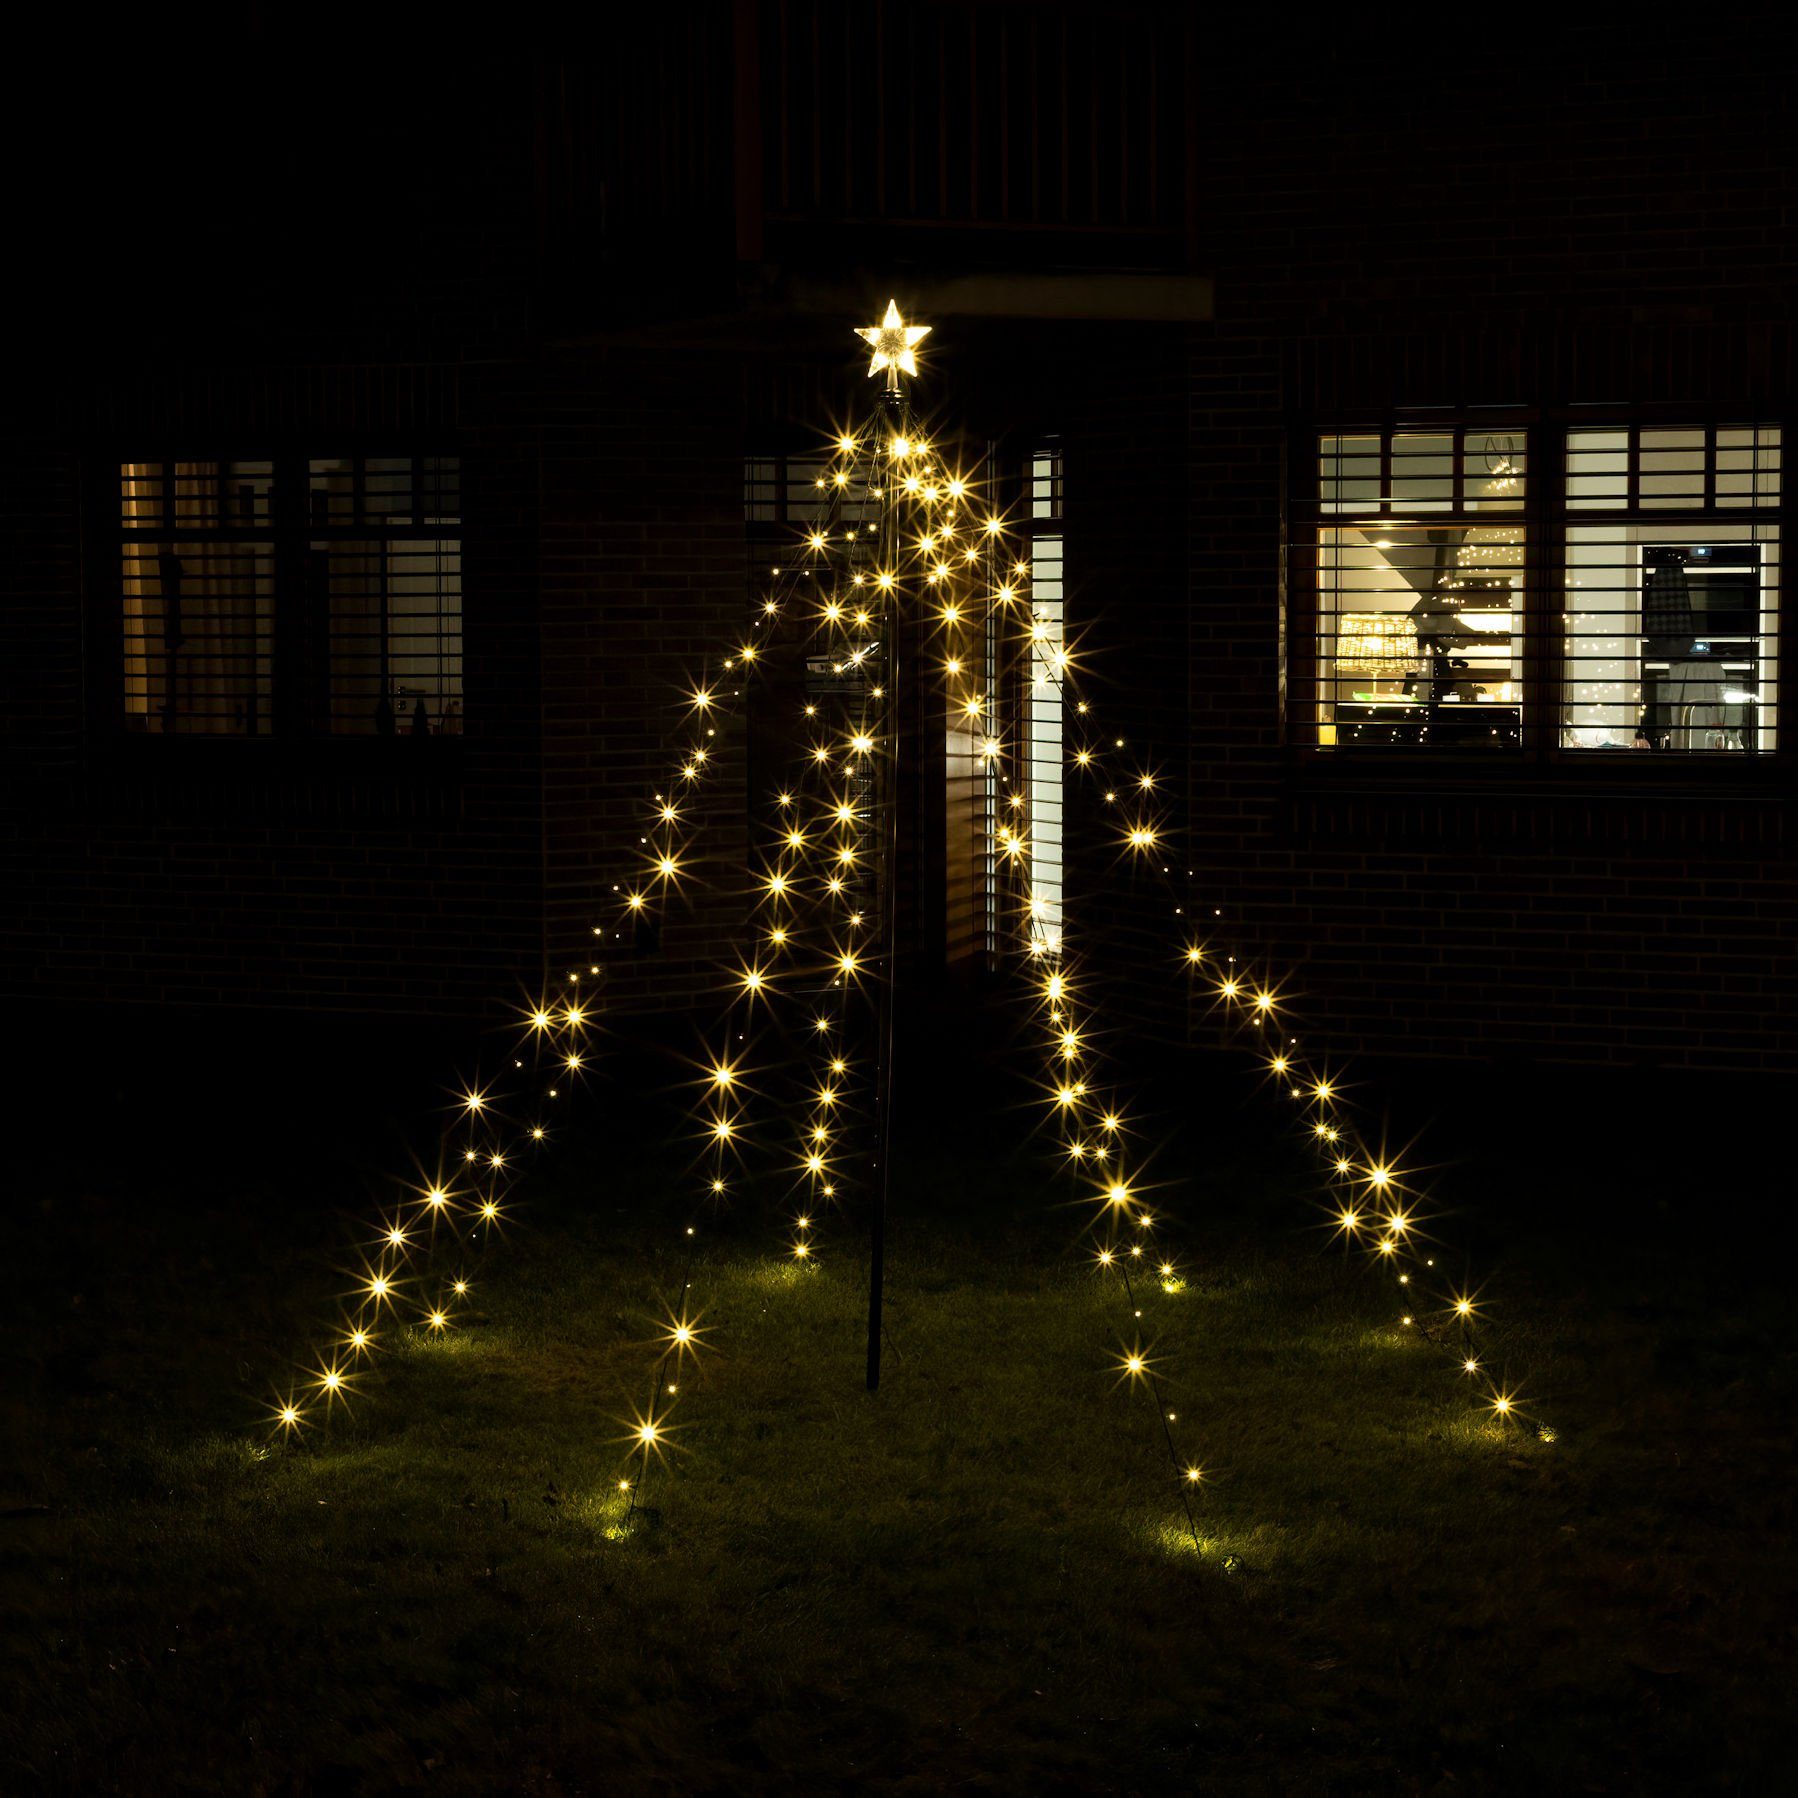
908	571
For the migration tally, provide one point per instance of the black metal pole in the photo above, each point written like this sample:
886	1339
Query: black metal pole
895	415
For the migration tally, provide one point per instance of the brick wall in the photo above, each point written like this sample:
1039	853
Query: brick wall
1612	224
603	567
645	590
348	874
1591	218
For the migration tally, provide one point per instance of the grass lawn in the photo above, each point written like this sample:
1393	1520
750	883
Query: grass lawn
977	1580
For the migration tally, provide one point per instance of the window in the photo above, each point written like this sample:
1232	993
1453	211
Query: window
1662	594
292	597
391	580
1044	724
1672	589
198	576
1422	559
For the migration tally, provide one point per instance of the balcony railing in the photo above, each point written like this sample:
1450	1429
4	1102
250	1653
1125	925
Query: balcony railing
781	132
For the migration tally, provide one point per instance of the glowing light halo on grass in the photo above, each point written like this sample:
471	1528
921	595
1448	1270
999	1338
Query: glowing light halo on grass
856	620
1366	1185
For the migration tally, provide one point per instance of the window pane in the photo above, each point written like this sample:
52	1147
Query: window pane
1672	628
761	490
440	490
377	589
196	496
1044	728
197	610
1493	470
807	478
1672	637
395	608
389	588
387	487
198	636
1672	468
222	496
1597	469
1748	466
1418	641
1349	473
348	491
1423	471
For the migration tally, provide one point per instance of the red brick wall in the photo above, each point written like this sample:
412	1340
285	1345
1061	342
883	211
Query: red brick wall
1602	222
351	874
1594	218
645	589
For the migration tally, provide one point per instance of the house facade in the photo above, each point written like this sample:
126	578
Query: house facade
1398	441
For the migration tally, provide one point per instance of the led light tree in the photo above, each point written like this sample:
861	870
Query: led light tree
908	586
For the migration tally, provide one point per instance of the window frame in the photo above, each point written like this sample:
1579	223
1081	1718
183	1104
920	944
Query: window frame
1706	520
1309	518
1540	756
1050	524
300	654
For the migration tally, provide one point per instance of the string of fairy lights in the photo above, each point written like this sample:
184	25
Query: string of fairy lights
897	526
1374	1205
418	1272
823	864
403	1287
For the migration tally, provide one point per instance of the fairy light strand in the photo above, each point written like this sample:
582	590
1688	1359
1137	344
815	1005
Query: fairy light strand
1372	1202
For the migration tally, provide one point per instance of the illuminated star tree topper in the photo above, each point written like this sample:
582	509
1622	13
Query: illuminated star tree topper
894	344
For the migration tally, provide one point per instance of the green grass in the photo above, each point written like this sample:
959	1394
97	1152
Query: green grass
978	1579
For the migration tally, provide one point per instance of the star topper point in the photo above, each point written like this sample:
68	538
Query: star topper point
894	344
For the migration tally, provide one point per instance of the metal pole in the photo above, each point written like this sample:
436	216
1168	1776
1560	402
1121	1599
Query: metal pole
895	416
